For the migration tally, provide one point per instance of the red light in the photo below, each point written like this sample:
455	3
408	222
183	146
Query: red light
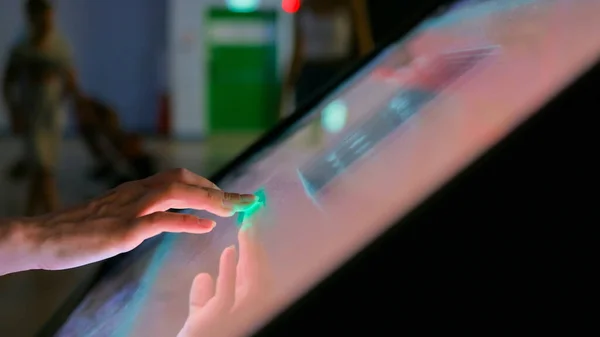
290	6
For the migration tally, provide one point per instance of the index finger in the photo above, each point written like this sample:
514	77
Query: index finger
182	196
225	285
253	262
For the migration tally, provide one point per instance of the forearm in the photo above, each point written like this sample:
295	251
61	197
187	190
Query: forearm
16	248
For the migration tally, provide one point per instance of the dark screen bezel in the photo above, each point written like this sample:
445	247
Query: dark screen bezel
418	13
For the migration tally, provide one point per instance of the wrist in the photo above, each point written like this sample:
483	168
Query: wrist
17	249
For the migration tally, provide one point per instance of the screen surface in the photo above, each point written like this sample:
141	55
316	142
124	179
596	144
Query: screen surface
417	115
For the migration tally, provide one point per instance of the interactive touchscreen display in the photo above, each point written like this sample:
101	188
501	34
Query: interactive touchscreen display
369	153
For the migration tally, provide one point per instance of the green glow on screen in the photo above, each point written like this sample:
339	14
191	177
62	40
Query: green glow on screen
244	220
334	116
242	6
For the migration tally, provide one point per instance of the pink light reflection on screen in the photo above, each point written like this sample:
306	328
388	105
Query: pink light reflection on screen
543	46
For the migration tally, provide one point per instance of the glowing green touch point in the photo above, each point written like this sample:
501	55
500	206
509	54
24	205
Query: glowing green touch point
244	219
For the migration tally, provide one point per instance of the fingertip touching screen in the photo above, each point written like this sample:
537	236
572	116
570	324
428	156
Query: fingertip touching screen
375	148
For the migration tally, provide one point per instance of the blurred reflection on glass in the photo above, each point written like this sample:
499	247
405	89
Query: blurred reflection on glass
328	36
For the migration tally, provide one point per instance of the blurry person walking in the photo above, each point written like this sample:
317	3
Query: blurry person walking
329	35
110	145
38	77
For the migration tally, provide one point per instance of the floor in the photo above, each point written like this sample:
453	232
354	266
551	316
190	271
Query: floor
28	299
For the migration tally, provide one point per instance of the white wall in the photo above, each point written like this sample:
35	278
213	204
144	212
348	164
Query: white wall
187	60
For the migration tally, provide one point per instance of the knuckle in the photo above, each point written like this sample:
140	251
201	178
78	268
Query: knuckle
231	196
180	173
211	195
103	210
94	205
97	208
125	186
154	218
130	235
170	190
184	217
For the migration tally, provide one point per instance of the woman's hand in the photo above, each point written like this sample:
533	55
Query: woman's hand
116	222
219	309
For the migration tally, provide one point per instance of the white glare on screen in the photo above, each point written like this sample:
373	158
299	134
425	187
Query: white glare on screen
334	116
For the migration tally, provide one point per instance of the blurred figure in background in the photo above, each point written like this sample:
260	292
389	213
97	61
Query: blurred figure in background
99	127
140	164
36	82
329	35
109	144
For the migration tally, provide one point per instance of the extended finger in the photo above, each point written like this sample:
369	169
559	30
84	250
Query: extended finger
182	176
225	288
245	256
203	289
253	264
253	278
179	195
159	222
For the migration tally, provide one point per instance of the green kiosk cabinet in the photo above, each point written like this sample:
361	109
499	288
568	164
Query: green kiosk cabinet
243	84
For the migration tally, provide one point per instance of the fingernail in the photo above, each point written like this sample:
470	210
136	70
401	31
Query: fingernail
239	201
249	198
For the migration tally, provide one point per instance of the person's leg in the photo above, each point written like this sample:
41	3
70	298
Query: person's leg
89	120
91	141
312	79
18	170
43	193
50	195
92	137
111	129
49	191
32	161
131	148
34	194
